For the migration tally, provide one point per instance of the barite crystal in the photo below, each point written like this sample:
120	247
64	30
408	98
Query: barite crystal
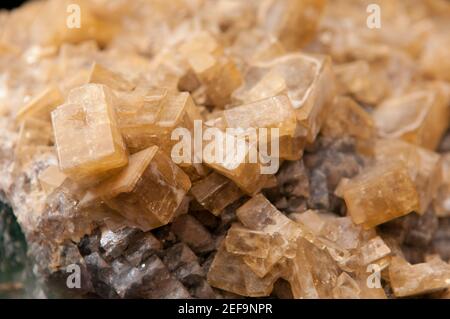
292	21
441	201
35	137
236	158
149	116
88	140
310	106
423	165
381	193
360	81
410	280
217	72
347	118
419	117
147	192
242	241
271	113
41	106
51	178
101	75
215	192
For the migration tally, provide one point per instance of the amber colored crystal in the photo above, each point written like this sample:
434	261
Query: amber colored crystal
381	193
409	280
419	117
294	22
35	136
215	192
311	107
243	241
424	166
51	178
149	116
41	106
229	272
88	140
441	201
360	81
101	75
242	165
435	59
147	192
347	118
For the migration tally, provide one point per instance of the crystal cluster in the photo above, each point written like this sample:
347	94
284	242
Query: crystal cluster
215	149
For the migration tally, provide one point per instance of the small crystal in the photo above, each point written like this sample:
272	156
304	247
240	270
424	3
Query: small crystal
410	280
423	165
35	136
215	192
419	117
51	178
294	22
148	191
88	141
41	106
441	202
101	75
381	193
243	241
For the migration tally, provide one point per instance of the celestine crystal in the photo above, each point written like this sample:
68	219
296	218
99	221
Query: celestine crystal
227	149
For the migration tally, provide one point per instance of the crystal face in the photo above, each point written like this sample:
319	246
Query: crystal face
148	191
87	138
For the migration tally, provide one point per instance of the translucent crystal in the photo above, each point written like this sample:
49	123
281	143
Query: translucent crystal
347	118
419	117
381	193
147	192
423	165
88	141
51	178
294	22
148	117
240	162
410	280
441	201
215	192
229	272
359	80
217	72
41	106
101	75
35	136
243	241
316	76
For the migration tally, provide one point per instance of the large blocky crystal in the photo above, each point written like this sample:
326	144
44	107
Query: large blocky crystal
41	106
381	193
88	140
243	241
424	166
149	116
148	191
215	192
409	280
292	21
236	158
311	94
419	117
270	113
